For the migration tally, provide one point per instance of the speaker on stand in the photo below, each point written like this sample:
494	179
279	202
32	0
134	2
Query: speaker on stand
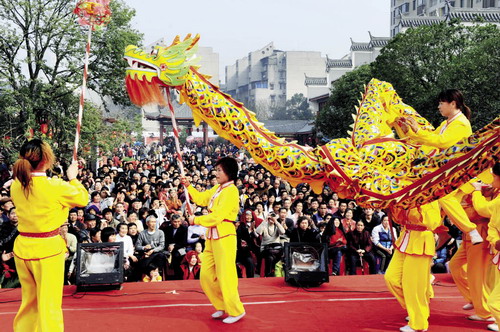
306	264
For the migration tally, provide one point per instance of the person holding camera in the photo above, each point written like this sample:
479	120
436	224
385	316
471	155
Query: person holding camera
270	246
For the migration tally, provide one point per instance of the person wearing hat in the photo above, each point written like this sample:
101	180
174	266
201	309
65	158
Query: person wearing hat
5	204
89	222
42	207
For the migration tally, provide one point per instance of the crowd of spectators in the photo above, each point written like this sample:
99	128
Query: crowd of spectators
135	197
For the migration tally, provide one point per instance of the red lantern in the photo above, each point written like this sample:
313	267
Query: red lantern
44	128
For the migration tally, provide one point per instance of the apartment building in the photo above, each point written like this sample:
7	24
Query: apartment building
413	13
269	76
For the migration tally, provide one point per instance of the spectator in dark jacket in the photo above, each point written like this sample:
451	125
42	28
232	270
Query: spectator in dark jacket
176	242
304	231
359	247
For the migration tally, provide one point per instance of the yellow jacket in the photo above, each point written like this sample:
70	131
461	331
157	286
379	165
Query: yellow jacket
224	206
44	210
489	209
458	129
419	242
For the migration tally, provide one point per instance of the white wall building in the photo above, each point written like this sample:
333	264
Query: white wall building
360	53
269	76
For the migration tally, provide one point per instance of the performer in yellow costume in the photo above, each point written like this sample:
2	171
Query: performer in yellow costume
42	207
218	276
455	128
491	210
470	265
408	274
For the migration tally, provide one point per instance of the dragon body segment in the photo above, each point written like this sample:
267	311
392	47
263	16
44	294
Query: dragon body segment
372	165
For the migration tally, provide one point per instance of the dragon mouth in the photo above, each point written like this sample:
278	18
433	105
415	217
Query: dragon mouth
138	69
143	85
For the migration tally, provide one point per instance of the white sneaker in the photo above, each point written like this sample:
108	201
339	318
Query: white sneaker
233	319
468	306
475	237
480	319
407	328
217	314
493	327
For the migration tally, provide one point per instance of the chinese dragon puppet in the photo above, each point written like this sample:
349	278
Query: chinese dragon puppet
372	166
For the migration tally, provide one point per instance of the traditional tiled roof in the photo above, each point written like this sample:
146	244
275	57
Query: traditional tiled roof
360	46
289	127
338	63
315	80
378	41
320	98
420	21
181	112
471	16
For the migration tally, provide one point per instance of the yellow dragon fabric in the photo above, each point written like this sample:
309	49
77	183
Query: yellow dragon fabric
372	166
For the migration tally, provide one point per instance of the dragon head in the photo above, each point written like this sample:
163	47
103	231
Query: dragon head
164	66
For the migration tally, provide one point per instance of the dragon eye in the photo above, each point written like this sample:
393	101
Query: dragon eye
154	52
163	67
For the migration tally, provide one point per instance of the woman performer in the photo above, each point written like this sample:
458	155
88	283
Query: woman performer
408	274
218	277
42	207
470	265
455	128
491	210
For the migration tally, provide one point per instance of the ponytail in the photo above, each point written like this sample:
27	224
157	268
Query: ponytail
466	111
22	172
456	96
31	155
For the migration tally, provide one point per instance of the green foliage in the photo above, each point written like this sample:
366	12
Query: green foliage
41	64
334	120
420	63
423	61
183	135
296	108
108	67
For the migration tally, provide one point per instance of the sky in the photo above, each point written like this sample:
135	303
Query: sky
233	28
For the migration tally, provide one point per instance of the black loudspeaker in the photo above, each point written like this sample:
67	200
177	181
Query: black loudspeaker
99	266
306	264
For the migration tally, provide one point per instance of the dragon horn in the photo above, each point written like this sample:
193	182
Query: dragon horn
176	40
195	40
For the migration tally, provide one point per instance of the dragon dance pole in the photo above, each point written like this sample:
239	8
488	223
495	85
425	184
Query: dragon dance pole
178	148
95	13
82	94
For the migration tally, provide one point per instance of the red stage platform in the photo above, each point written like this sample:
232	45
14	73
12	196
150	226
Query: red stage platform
347	303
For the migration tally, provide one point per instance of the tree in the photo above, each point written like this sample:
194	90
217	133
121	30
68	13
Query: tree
41	64
334	120
296	108
423	61
420	63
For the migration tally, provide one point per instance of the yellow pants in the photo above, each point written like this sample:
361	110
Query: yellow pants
470	267
454	210
494	300
408	279
41	286
218	276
